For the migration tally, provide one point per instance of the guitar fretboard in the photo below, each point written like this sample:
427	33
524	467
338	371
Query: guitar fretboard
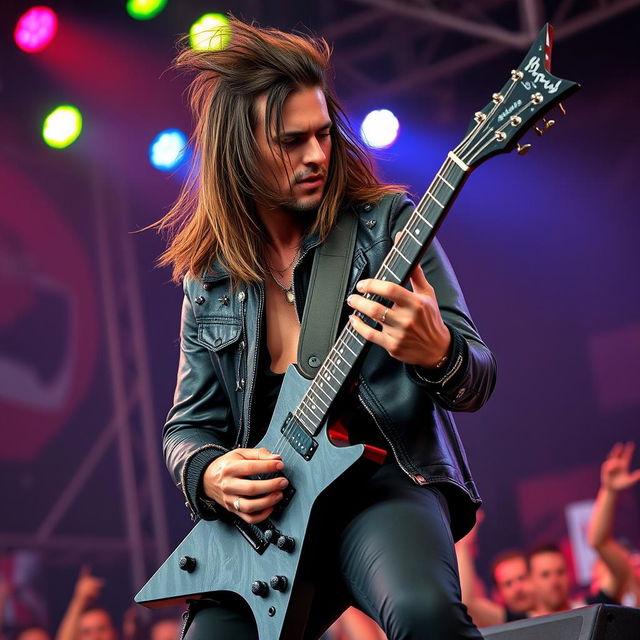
412	242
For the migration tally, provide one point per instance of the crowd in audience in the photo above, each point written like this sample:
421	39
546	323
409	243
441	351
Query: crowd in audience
85	619
525	584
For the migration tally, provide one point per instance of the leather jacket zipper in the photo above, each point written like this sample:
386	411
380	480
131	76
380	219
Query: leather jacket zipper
250	388
415	477
240	381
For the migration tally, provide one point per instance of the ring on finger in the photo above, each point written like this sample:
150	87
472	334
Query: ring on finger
236	505
383	317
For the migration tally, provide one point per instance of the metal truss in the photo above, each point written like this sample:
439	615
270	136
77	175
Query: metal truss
392	47
129	435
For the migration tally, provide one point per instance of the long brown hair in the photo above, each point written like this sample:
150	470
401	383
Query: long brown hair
213	217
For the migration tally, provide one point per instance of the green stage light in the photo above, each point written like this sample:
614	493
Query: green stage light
62	126
210	32
145	9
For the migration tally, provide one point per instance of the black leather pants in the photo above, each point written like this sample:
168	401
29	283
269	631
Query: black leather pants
389	552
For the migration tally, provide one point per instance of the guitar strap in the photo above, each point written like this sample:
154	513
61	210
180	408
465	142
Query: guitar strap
327	288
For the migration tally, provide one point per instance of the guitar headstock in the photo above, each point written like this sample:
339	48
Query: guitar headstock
526	97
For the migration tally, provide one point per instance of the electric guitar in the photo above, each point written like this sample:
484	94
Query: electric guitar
262	563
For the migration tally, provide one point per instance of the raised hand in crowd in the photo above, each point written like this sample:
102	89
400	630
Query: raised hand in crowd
88	587
615	473
613	572
482	610
85	593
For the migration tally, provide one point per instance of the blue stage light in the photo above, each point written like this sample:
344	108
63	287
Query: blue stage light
168	149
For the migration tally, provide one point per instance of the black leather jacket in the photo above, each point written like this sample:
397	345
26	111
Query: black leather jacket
220	345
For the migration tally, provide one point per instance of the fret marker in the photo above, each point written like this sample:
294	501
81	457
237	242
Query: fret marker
417	230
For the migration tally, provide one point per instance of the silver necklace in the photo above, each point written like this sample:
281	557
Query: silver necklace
295	257
288	291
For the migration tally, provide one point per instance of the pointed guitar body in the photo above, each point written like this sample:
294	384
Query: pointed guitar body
226	558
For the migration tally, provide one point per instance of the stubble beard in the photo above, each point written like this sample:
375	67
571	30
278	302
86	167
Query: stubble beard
304	205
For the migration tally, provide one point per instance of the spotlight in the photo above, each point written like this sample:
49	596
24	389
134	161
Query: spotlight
379	129
62	126
36	29
145	9
168	149
210	32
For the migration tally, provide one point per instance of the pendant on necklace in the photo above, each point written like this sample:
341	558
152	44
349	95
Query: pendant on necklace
289	296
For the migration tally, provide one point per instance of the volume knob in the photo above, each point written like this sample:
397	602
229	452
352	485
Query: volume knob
259	588
187	563
286	543
279	583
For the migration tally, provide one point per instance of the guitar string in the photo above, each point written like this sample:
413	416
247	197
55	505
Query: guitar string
331	360
442	174
308	404
431	192
467	139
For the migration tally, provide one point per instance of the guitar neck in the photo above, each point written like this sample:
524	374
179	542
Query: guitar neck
413	241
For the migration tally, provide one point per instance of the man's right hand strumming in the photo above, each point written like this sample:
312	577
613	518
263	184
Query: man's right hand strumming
226	481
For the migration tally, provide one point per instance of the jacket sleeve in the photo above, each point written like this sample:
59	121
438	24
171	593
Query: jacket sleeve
468	378
199	426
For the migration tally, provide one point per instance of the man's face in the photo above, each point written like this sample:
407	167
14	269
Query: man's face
165	630
296	166
514	584
96	625
550	580
34	633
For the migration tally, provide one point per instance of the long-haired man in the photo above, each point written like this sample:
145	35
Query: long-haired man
277	166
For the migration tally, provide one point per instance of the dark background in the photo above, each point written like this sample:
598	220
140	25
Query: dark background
544	246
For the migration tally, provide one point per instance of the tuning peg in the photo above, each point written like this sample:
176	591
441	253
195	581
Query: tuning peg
538	130
563	111
548	123
524	149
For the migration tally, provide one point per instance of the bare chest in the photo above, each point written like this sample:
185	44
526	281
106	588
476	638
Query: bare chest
283	328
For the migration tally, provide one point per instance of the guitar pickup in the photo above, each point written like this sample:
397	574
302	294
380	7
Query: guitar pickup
299	438
253	534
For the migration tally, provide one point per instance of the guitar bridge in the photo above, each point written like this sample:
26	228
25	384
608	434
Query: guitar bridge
253	534
298	437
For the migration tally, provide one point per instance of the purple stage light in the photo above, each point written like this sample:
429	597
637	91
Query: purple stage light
36	29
